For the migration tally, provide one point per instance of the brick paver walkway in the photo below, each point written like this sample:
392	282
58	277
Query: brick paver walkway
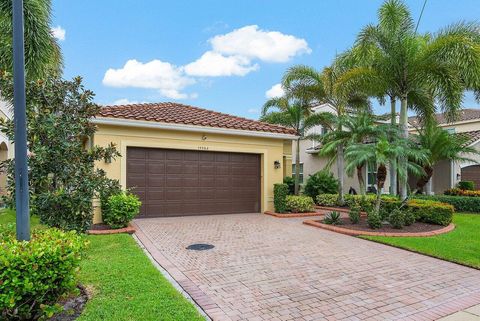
265	268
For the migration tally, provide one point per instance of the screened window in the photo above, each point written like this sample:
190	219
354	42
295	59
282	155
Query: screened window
300	172
371	175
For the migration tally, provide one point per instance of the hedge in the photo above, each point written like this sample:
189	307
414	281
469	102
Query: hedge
300	204
460	203
280	192
430	211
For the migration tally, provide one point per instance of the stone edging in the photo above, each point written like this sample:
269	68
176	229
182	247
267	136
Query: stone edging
350	232
129	230
337	209
289	215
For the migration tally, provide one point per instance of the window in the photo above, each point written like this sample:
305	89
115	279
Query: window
451	130
371	175
324	130
300	172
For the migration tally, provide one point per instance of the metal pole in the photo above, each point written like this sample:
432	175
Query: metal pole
19	117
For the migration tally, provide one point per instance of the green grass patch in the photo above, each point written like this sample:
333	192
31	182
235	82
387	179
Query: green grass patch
461	245
8	216
126	285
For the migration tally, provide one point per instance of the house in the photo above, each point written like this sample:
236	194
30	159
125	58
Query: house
446	174
185	160
6	147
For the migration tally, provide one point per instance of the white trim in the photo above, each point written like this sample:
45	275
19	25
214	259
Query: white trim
4	108
189	128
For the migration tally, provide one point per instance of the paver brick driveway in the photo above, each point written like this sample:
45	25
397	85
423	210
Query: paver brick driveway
265	268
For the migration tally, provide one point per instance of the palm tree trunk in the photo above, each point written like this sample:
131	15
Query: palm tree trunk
381	176
402	161
297	168
393	162
340	173
424	180
361	181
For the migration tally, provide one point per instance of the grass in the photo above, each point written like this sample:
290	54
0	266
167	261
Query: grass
123	282
461	245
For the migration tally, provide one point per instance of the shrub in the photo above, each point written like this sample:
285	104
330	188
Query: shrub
410	217
322	182
122	208
109	187
397	218
327	199
460	203
466	185
280	192
433	212
290	181
35	274
332	218
354	215
299	204
462	192
374	220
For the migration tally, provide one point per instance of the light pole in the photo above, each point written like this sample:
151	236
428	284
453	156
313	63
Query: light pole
19	117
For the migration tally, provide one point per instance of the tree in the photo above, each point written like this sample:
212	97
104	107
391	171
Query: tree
42	52
294	114
380	151
441	146
320	88
419	70
62	175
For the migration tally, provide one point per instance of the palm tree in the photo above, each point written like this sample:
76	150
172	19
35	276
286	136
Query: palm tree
380	151
320	88
42	53
416	69
441	146
291	113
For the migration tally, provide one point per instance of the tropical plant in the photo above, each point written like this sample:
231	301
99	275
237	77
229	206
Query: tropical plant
441	146
320	88
419	70
322	182
354	214
42	53
293	113
333	218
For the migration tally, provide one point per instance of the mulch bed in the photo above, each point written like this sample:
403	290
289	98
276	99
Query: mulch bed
72	306
362	228
103	229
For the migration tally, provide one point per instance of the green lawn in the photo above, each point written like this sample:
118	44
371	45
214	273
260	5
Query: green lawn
124	283
462	245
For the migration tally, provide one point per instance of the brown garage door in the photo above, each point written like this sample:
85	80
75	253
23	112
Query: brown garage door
180	182
472	173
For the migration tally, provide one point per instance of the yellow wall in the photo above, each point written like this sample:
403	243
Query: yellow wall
270	150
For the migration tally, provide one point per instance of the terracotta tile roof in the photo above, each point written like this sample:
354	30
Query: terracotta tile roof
176	113
465	114
470	137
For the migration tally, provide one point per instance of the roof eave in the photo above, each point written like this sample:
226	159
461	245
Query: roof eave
190	128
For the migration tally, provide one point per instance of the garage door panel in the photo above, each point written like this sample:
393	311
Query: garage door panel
180	182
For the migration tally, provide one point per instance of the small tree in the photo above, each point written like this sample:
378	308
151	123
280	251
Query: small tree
62	175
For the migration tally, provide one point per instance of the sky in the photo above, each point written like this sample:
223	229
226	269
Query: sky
223	55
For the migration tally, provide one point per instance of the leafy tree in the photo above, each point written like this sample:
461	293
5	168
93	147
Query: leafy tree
62	175
380	151
441	146
419	70
294	114
42	53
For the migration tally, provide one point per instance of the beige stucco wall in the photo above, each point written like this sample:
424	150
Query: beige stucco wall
270	149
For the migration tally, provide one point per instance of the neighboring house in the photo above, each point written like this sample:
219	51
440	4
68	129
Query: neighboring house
446	174
184	160
6	147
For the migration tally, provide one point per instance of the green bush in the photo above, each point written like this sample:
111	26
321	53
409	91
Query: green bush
327	199
374	220
122	208
290	181
299	204
410	217
322	182
460	203
466	185
35	274
332	218
354	215
433	212
280	192
397	218
109	187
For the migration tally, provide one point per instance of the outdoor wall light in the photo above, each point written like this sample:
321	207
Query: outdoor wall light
276	164
204	137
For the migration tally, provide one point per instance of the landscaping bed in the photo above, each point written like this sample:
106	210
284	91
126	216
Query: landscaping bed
287	215
104	229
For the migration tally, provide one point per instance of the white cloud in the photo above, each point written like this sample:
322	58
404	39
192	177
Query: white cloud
59	33
255	43
167	78
275	91
213	64
253	111
124	101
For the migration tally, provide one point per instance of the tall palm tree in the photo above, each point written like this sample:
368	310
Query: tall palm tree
441	146
380	151
294	114
42	53
320	88
418	70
